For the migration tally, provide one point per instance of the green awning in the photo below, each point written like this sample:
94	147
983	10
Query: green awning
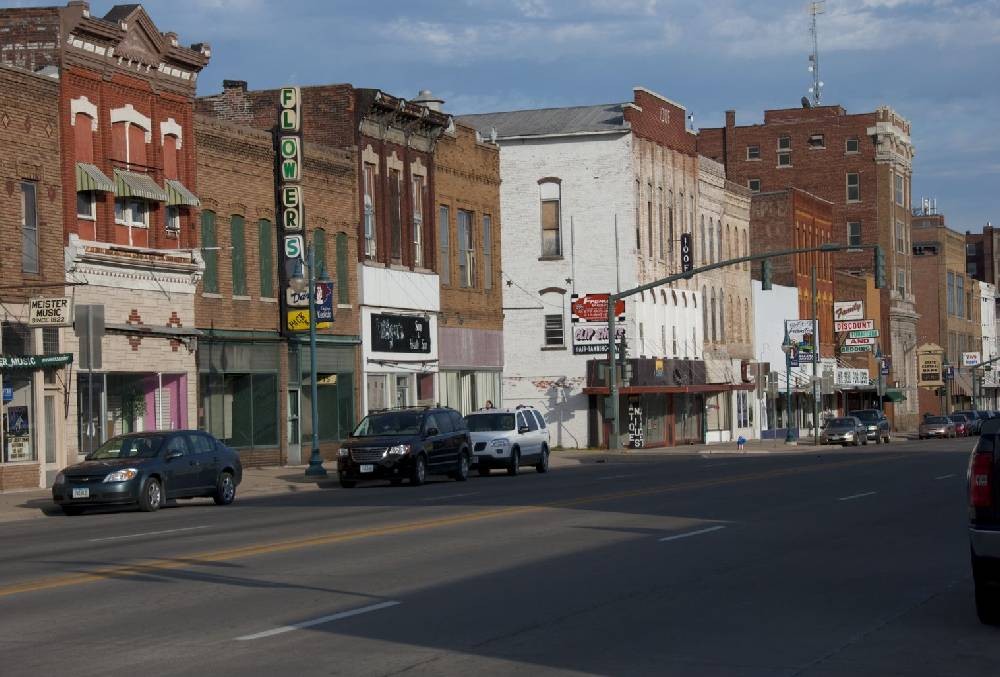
894	395
130	184
178	194
89	177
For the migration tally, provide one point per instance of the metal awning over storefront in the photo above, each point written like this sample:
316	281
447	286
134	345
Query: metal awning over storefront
666	390
131	184
178	194
90	178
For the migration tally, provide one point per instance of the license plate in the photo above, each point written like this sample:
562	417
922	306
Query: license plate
81	493
368	467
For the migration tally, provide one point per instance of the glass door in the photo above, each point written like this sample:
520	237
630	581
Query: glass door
294	433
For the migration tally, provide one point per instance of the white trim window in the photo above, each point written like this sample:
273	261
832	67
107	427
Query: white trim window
853	187
173	220
418	221
853	233
555	335
899	182
466	250
852	146
753	152
550	194
369	207
132	212
86	205
753	185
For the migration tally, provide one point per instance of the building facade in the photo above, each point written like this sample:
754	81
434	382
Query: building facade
982	253
862	164
950	306
466	203
988	383
596	200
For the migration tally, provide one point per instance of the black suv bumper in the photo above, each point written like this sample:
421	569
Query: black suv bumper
396	467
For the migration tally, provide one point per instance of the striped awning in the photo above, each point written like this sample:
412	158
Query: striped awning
130	184
178	194
89	177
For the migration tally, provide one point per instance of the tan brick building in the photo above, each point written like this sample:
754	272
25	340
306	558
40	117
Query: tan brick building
862	164
467	204
31	195
949	306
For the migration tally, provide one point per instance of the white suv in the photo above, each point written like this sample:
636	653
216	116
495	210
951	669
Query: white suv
508	438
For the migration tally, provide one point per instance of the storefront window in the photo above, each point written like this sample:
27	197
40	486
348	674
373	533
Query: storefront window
467	391
18	419
241	409
717	409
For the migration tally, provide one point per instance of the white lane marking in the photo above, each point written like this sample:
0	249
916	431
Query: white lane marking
693	533
718	465
445	498
944	477
615	477
317	621
148	533
854	496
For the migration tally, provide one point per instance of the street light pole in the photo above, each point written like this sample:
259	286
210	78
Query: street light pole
786	347
315	468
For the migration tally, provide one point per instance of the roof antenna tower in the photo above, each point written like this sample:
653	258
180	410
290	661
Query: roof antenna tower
815	8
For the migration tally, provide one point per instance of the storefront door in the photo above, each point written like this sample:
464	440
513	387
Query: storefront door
294	435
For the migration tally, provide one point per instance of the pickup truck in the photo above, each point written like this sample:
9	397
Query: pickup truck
984	521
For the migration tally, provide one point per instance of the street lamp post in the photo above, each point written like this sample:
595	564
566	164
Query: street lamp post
880	383
297	282
787	348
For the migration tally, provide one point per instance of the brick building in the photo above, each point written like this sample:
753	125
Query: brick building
595	199
31	204
862	164
949	306
127	145
795	219
982	254
398	287
467	204
253	380
851	287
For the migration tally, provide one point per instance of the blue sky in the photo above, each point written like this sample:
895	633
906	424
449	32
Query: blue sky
934	61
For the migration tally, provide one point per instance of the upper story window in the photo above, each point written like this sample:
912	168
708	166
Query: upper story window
899	183
854	233
210	252
784	142
238	254
29	227
173	219
466	253
369	209
753	152
555	336
550	193
86	205
487	252
900	237
418	221
396	214
853	187
784	159
131	131
170	142
444	244
852	145
754	185
817	141
132	212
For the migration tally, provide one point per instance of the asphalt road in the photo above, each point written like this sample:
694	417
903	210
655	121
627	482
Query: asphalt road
841	563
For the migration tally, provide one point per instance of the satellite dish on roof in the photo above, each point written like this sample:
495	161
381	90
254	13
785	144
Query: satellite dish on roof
805	102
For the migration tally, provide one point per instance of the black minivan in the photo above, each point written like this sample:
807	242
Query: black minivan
407	443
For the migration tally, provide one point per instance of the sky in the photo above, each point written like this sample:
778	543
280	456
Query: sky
934	61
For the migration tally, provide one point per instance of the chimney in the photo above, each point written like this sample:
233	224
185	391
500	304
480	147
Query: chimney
424	98
730	118
229	85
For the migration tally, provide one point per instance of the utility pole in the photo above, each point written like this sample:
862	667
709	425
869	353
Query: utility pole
815	379
612	372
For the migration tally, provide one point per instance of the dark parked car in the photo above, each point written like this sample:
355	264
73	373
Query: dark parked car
975	419
963	426
983	482
843	431
148	469
875	422
408	443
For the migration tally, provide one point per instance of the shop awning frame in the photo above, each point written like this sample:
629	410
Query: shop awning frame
179	195
894	395
668	390
90	178
131	184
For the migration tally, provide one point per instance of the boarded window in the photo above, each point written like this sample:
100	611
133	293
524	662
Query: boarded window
210	252
239	249
265	242
551	218
170	157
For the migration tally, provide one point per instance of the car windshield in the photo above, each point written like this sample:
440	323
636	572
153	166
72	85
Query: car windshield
133	446
485	422
937	419
389	423
971	415
957	418
842	422
865	415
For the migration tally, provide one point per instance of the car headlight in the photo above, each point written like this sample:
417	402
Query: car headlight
60	478
343	453
499	442
849	434
399	450
123	475
873	427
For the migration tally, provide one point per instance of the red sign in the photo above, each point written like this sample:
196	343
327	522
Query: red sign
853	325
594	308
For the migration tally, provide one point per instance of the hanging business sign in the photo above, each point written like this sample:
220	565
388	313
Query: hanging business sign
855	349
859	341
589	317
855	378
800	333
54	311
863	333
848	310
971	359
687	253
853	325
35	361
324	305
400	334
290	208
929	366
594	308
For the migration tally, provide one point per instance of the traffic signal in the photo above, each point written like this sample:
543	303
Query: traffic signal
765	275
879	267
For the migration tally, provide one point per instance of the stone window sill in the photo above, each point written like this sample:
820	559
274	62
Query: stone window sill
211	295
347	306
241	298
553	347
550	258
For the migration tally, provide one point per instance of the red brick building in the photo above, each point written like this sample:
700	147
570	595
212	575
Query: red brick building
124	117
795	219
982	254
862	164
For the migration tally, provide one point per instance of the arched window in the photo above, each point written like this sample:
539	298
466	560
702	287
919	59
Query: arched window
722	315
550	196
704	314
237	241
746	319
707	250
319	251
210	251
729	243
718	231
746	248
714	335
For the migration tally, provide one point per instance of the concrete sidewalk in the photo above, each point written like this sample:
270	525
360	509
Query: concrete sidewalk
37	503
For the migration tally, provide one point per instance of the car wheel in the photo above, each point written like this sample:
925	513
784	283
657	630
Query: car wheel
225	489
419	472
543	462
151	495
462	473
514	467
72	510
347	484
857	441
484	469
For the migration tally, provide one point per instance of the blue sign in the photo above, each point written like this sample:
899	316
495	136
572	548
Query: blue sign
324	302
949	373
8	393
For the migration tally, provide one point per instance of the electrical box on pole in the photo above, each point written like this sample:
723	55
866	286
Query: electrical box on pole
879	262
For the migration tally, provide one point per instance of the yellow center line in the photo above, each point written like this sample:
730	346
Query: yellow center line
187	561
